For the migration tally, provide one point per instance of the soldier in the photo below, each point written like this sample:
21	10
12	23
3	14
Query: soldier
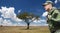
53	17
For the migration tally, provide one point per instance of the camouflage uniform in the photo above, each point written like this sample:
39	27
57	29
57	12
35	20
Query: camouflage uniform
53	18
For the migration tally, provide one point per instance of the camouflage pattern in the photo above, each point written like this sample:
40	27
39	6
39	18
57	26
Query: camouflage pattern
53	19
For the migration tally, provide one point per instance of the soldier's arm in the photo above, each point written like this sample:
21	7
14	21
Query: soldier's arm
55	15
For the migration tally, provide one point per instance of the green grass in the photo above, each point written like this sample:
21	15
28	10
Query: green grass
21	29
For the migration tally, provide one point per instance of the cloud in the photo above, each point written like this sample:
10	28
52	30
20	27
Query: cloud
19	11
56	1
8	13
44	14
40	22
43	20
36	21
1	20
7	23
8	17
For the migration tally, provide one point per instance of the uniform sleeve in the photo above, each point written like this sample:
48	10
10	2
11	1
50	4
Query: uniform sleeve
55	15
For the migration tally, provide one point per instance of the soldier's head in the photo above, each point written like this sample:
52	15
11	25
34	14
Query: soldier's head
48	5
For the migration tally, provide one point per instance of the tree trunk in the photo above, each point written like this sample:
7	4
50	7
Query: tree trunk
28	25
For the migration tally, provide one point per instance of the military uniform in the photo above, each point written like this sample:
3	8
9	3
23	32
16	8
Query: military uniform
53	18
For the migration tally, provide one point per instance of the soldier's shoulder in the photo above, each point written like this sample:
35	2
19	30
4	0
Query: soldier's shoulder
55	10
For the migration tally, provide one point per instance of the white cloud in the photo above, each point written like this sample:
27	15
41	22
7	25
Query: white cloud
1	20
45	14
8	13
7	23
56	1
44	25
19	11
36	21
40	21
43	20
38	24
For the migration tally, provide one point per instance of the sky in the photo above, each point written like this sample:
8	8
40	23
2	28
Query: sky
10	8
33	6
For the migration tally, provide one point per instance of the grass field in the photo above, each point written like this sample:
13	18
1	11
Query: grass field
21	29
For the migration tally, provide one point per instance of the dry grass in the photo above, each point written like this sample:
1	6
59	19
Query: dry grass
17	29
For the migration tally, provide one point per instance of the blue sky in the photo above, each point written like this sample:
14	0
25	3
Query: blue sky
33	6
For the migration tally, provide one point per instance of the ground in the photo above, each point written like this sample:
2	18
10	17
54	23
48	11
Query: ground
21	29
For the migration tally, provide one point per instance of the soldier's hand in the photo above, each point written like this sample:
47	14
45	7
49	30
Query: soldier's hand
49	17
